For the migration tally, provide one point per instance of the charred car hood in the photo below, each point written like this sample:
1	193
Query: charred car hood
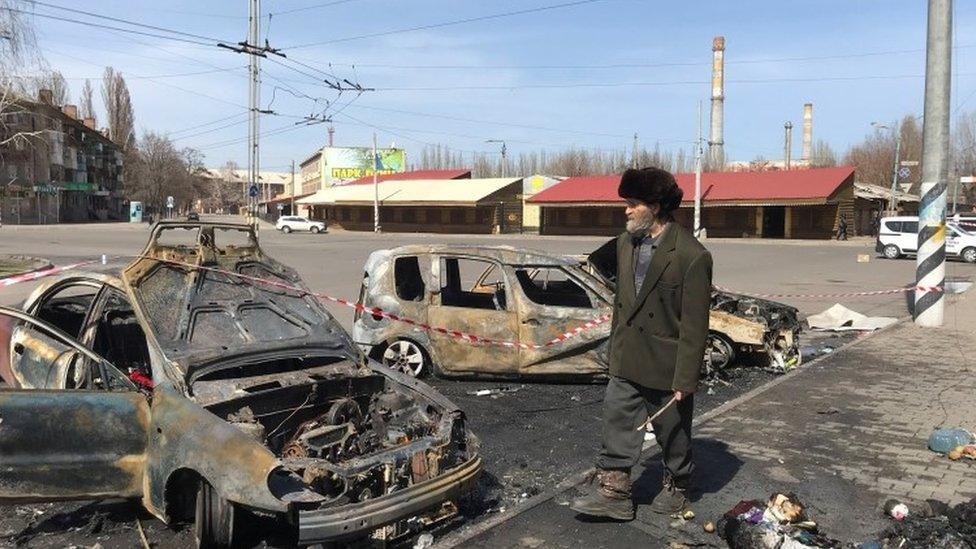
197	315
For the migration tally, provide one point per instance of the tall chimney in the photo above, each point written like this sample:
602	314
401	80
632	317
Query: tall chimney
70	110
807	132
45	96
788	144
331	133
716	141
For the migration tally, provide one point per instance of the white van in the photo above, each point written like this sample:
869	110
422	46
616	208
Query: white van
898	236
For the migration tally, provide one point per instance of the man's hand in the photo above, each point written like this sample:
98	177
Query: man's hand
680	395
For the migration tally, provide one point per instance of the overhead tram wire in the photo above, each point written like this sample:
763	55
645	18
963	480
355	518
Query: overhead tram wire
125	21
205	124
312	7
211	130
446	23
100	26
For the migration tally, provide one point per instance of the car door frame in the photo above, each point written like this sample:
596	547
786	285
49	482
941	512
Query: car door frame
21	337
62	444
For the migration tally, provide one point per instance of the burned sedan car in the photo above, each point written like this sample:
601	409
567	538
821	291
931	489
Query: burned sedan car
523	296
210	396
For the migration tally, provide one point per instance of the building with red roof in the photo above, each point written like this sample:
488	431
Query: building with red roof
806	203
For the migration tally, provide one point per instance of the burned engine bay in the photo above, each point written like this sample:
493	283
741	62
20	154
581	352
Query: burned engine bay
349	433
758	326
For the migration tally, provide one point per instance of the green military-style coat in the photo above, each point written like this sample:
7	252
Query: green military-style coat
658	335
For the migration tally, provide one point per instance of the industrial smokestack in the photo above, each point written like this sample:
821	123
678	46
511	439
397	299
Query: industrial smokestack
807	132
788	144
716	141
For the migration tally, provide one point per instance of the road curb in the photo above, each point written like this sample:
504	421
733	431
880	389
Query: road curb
455	540
40	264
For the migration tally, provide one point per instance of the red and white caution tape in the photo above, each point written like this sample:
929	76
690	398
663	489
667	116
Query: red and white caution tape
934	289
27	277
376	311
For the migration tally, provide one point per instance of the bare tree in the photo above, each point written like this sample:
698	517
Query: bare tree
874	157
18	42
54	81
118	109
964	157
159	170
822	155
87	106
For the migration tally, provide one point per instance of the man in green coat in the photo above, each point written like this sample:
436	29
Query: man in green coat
657	344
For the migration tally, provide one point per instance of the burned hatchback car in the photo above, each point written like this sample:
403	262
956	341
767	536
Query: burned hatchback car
205	394
529	297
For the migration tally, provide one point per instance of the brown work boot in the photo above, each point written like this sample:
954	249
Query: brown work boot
608	495
671	499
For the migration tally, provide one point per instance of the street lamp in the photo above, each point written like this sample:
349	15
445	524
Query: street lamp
893	204
504	151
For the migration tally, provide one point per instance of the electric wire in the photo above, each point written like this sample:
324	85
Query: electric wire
100	26
446	23
125	21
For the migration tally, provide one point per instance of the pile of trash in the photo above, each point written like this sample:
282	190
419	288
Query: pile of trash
780	523
955	443
933	524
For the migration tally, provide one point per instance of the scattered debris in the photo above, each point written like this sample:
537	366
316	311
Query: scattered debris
495	393
829	411
944	441
959	452
863	258
935	524
780	522
709	527
896	509
424	541
839	318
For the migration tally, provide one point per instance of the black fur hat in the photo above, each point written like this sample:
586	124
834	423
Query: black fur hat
653	186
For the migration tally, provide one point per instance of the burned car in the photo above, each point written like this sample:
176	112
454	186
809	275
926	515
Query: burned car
528	297
211	396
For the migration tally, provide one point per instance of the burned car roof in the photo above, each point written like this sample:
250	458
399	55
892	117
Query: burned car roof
504	254
197	315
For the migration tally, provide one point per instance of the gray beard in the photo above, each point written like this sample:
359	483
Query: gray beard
639	226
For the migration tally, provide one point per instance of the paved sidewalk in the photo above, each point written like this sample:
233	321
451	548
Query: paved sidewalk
845	433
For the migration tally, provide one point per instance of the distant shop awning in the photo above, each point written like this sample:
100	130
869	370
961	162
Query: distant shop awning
419	192
868	191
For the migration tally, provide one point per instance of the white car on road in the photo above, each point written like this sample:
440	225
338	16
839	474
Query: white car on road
898	236
289	223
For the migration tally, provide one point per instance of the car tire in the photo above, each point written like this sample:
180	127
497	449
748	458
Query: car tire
968	255
719	354
285	229
890	251
315	229
214	525
407	357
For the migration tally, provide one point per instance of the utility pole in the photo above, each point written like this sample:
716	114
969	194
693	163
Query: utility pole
376	188
254	103
698	172
930	263
504	152
293	190
633	154
893	206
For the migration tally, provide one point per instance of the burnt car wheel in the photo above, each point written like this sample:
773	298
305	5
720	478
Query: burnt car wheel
719	354
215	518
407	357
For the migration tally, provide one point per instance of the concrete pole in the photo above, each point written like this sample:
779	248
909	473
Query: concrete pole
376	189
633	154
698	171
930	263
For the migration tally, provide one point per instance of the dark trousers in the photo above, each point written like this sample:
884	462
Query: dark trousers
626	406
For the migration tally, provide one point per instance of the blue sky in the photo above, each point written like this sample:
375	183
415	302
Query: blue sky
583	60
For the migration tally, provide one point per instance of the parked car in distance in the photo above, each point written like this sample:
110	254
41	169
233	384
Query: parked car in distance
516	295
898	236
289	223
201	394
193	216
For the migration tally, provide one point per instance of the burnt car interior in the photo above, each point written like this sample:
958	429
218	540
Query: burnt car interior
408	279
119	337
552	287
68	307
453	294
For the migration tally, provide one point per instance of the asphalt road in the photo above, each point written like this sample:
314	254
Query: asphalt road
534	436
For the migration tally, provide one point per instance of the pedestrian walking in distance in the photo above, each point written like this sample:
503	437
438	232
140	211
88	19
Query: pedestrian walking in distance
657	341
842	229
